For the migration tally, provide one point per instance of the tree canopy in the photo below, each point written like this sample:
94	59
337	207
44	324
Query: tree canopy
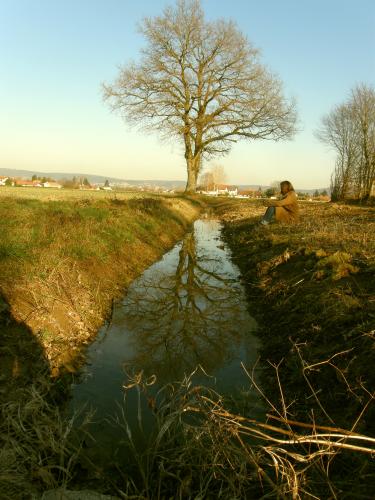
200	82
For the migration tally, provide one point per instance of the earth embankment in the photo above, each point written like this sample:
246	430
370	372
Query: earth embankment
312	286
64	260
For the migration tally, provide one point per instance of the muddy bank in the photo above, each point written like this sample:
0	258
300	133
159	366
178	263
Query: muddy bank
312	288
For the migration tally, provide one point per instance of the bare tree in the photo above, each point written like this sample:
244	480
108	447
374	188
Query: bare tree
212	177
200	82
350	130
339	131
206	180
363	109
275	185
218	173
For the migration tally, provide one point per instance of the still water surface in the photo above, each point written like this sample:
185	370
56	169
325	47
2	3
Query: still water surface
188	309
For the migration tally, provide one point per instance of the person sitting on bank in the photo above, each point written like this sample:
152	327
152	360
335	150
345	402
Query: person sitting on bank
283	210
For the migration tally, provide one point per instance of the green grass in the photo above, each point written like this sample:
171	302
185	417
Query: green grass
74	226
50	194
67	254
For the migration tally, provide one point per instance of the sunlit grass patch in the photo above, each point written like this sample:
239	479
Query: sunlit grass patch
64	258
339	264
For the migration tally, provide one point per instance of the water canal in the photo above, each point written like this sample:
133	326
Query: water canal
186	310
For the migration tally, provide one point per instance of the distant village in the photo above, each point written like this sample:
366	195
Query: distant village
48	182
212	189
271	192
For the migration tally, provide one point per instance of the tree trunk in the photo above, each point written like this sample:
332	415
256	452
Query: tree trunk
192	165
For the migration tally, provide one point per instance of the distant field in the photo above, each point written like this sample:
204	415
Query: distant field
51	194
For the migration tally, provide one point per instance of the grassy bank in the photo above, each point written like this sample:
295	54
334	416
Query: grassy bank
63	260
312	288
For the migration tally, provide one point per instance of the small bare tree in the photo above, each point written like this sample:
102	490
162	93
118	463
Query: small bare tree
206	180
218	174
200	82
213	176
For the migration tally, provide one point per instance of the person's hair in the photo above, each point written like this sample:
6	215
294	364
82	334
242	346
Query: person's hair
288	184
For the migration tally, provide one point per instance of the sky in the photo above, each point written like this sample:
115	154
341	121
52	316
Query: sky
55	54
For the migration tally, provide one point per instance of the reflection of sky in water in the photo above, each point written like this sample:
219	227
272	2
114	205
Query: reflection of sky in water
187	309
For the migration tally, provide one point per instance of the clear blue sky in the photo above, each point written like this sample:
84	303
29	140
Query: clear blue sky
54	54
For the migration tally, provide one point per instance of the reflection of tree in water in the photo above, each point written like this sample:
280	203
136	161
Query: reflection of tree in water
189	316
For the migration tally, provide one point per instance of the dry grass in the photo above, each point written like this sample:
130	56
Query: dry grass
330	226
312	281
199	449
315	279
36	445
311	285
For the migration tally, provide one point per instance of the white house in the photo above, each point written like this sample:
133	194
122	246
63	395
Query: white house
52	184
3	180
221	189
232	190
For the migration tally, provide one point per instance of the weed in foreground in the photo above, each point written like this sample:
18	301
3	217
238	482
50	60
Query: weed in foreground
37	451
199	449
